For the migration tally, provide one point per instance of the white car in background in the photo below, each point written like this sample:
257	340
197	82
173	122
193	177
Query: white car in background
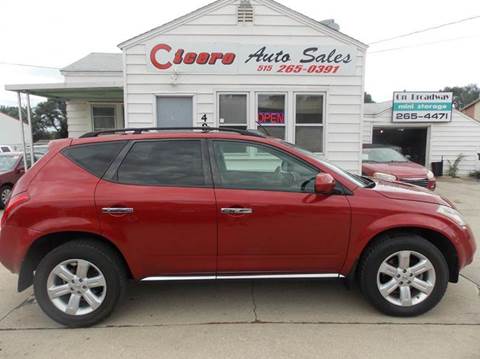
5	148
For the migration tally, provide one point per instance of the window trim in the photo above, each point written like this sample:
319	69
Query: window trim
322	125
117	115
111	175
247	102
217	183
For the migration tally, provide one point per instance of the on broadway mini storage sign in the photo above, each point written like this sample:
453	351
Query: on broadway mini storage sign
234	58
422	106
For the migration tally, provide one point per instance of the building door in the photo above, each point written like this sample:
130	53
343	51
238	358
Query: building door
174	111
412	141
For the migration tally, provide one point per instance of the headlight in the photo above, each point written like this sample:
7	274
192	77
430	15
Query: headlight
430	175
453	214
384	176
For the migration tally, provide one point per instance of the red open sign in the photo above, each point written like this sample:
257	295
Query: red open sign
271	117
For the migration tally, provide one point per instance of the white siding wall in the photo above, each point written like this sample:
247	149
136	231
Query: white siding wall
79	116
94	77
10	132
461	135
344	93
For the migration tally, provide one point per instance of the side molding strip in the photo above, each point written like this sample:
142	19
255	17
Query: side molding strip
244	276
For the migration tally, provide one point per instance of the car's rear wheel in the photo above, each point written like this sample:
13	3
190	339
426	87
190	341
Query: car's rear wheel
79	283
5	192
404	276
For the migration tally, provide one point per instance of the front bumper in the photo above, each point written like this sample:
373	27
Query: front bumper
466	247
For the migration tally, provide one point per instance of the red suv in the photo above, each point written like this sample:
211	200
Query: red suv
147	204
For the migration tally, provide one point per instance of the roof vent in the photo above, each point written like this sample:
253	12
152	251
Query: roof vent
245	12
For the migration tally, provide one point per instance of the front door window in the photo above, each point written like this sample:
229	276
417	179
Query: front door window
245	165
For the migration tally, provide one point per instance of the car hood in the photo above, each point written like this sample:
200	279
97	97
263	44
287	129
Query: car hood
408	192
398	169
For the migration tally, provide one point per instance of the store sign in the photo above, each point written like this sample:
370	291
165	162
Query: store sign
269	118
311	59
422	106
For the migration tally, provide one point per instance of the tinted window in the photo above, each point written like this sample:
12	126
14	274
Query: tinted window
96	157
244	165
168	163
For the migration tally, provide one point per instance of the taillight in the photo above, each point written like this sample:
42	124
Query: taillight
13	203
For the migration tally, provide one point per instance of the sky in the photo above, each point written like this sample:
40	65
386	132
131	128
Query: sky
55	33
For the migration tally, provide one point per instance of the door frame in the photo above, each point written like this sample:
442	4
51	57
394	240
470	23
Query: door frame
156	95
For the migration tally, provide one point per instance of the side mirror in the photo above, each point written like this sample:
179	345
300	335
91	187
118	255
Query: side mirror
324	183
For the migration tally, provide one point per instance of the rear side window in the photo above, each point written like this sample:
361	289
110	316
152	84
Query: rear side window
95	157
164	163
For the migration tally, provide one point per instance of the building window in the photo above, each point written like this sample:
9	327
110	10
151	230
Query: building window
309	121
233	109
103	117
271	114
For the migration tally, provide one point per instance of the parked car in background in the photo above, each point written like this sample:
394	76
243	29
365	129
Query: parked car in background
388	164
11	169
40	150
5	148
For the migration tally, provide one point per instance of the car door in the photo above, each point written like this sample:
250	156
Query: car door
269	217
158	202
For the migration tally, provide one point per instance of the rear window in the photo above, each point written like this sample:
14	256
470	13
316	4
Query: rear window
95	157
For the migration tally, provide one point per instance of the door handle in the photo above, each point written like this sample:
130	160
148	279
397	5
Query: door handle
237	210
116	210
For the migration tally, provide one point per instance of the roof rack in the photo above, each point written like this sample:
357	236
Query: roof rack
204	129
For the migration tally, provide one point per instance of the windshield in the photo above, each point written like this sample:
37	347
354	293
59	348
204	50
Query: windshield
382	155
7	163
358	180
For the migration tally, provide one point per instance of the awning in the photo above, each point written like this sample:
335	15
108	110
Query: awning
87	91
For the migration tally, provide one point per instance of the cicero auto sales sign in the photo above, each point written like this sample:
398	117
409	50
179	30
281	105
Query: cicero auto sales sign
311	59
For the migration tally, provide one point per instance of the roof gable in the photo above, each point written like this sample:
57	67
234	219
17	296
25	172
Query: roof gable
471	104
321	27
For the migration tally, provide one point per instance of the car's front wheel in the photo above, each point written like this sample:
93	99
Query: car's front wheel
404	276
79	283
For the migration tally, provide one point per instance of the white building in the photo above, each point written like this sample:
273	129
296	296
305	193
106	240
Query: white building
426	142
10	133
238	63
234	63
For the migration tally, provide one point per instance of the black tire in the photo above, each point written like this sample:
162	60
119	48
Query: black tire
384	248
3	197
104	258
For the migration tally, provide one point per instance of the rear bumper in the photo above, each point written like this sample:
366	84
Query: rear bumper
14	243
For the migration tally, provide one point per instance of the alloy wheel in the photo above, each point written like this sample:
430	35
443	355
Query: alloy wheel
5	195
76	287
406	278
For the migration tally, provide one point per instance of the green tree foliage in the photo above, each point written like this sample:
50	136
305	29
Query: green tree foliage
49	119
463	95
367	98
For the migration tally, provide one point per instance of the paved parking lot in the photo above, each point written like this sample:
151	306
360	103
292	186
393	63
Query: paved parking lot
260	319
